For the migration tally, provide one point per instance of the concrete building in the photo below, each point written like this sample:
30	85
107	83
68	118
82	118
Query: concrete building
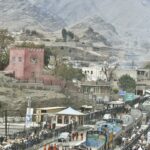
25	63
120	72
93	73
28	64
136	74
101	89
47	114
143	74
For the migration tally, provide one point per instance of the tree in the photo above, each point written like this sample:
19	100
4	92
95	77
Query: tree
4	59
5	41
64	34
108	70
31	45
127	83
47	54
71	34
68	73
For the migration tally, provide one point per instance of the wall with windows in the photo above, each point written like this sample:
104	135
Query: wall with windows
26	63
93	73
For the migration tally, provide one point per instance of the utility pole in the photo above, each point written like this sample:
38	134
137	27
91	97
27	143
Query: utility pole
5	123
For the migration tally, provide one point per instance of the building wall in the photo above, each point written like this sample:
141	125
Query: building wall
26	63
93	73
143	74
34	63
131	72
16	63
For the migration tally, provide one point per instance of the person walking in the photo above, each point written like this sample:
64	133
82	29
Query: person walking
77	136
81	136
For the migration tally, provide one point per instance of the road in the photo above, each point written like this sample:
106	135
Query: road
70	144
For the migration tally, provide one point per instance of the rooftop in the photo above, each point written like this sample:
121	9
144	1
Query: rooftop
50	108
70	111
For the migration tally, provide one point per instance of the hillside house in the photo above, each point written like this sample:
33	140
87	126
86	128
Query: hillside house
100	88
25	63
94	73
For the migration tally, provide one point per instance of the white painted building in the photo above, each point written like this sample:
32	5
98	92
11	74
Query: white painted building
93	73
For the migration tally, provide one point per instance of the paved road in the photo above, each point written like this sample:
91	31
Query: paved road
67	144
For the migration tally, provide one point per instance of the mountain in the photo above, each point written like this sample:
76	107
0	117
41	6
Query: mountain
103	31
129	18
16	14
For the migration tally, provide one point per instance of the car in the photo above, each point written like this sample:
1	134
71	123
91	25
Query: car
64	137
107	116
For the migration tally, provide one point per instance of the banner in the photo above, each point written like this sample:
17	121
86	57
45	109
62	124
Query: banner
28	121
122	93
148	137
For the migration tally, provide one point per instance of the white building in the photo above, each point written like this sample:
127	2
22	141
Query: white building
93	73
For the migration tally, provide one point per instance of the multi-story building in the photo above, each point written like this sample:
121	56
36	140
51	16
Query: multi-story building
25	63
28	64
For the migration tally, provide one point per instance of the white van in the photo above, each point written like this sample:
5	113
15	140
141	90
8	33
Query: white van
64	137
107	116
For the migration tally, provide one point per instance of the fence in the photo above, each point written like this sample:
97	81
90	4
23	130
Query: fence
26	141
36	86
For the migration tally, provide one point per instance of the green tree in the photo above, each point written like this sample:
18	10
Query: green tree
31	45
64	34
5	40
127	83
71	34
4	59
47	54
68	73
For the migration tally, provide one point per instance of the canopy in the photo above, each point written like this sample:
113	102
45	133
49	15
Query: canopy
70	111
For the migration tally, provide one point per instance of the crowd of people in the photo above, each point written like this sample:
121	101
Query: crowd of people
24	140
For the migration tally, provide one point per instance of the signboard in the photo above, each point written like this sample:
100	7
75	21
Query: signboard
129	97
28	120
148	137
122	93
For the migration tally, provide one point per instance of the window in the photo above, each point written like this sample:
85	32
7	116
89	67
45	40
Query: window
33	60
20	59
59	120
43	111
91	72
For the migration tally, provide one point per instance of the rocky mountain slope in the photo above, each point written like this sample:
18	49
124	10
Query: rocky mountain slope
102	31
123	23
16	14
130	18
